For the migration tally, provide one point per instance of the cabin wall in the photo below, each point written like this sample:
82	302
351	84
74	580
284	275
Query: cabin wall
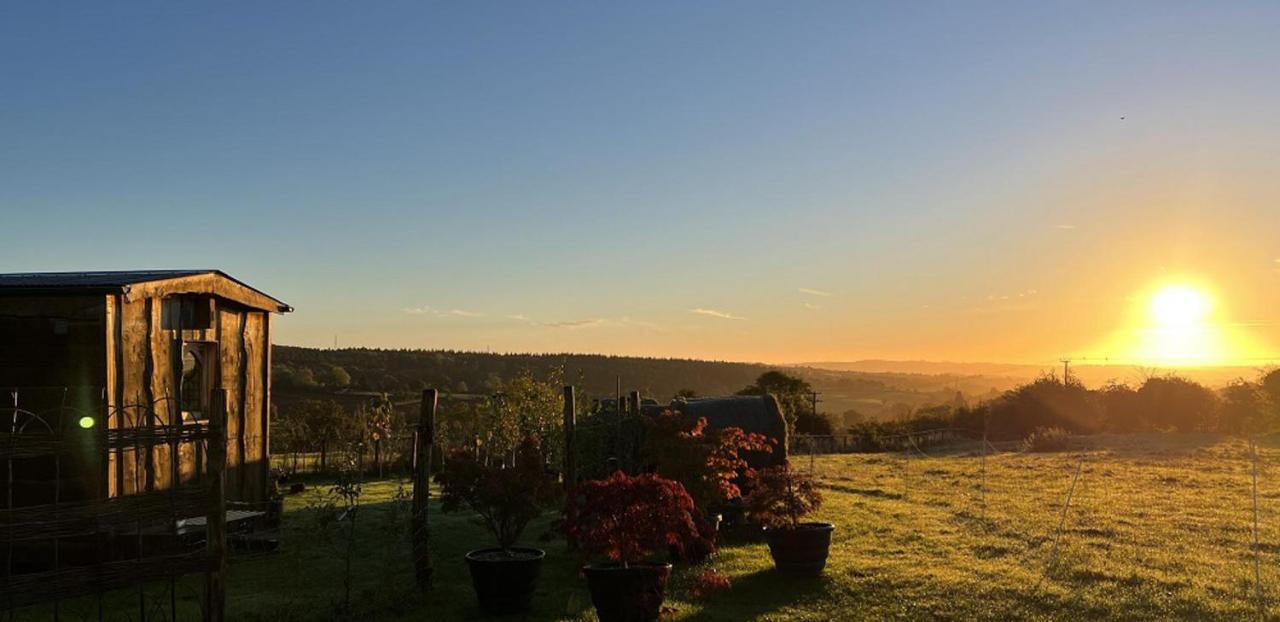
145	367
51	341
52	362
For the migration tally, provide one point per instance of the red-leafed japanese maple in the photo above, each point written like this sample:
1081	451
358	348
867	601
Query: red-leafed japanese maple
708	464
780	496
506	497
629	519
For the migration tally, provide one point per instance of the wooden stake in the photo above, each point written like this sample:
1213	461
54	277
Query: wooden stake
570	423
423	437
216	519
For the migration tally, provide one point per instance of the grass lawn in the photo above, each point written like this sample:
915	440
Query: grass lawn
1159	527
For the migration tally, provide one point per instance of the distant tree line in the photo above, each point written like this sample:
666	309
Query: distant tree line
1166	403
407	372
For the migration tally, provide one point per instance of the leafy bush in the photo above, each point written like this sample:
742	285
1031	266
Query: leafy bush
628	519
707	465
1174	403
505	497
1046	440
781	496
811	423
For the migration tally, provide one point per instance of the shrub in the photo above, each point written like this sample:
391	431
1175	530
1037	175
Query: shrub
813	423
781	496
505	497
628	519
1045	403
707	465
1175	403
1047	440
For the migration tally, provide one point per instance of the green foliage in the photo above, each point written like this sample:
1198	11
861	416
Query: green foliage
810	423
333	376
793	393
521	406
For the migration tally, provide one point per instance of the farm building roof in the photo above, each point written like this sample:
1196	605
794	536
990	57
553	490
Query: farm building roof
752	413
139	284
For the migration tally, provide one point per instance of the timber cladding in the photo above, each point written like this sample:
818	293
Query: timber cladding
148	369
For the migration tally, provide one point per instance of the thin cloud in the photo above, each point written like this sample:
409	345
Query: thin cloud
1065	227
716	314
815	292
585	323
574	323
426	310
812	307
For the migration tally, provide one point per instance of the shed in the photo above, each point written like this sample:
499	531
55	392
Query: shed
90	345
753	413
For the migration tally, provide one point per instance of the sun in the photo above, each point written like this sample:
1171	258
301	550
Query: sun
1180	306
1180	329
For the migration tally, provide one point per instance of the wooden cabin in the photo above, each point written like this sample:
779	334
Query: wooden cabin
81	352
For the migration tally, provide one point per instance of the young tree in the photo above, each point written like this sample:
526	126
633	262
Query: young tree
329	425
793	393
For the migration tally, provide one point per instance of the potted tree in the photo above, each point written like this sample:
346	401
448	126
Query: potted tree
624	522
779	498
708	463
506	498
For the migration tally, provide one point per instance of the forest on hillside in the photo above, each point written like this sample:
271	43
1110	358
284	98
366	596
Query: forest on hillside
403	372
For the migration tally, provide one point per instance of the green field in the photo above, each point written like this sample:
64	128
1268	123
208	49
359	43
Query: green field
1159	527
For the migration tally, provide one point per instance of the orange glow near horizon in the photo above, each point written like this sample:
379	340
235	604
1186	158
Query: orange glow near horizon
1180	324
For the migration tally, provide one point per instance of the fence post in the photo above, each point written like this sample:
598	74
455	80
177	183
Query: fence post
216	518
570	422
423	437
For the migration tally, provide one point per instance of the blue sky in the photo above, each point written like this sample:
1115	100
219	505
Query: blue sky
947	180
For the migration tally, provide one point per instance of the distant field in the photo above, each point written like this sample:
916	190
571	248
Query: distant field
1159	527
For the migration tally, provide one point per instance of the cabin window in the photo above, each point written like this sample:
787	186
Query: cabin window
198	362
188	313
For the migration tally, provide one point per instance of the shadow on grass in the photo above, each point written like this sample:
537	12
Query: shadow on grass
876	493
761	593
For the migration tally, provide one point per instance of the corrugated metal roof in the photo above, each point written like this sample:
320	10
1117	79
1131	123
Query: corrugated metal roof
97	281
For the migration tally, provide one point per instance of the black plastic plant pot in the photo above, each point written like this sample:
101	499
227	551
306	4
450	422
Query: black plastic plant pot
504	580
801	551
627	594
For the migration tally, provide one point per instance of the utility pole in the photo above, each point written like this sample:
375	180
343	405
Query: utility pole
813	401
1066	370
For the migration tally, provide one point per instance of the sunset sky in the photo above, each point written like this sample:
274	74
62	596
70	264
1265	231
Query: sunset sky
779	182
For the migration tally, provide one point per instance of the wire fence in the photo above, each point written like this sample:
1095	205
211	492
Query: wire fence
1081	515
382	458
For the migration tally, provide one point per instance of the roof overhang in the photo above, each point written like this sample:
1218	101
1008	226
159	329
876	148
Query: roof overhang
213	283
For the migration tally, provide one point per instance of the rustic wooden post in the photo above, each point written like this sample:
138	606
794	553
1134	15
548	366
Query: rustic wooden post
216	519
570	422
423	437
